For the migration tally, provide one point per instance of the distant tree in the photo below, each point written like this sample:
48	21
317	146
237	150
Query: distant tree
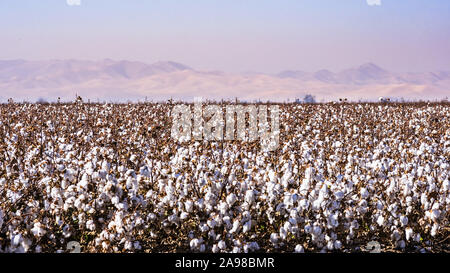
309	99
41	101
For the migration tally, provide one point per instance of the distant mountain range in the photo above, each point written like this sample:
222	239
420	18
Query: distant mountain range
128	80
368	73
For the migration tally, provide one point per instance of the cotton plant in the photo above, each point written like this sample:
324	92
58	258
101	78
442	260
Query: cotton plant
110	177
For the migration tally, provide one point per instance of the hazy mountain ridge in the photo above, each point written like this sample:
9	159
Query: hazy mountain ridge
75	70
121	80
368	73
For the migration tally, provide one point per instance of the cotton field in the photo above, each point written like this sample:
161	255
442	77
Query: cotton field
111	178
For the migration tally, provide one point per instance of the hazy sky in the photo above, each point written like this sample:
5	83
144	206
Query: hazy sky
233	35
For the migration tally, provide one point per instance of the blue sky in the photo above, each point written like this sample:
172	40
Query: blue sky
233	35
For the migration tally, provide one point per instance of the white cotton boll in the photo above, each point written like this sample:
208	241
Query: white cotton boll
254	246
223	207
348	214
1	218
215	248
131	183
236	226
339	195
209	197
151	217
274	238
139	221
317	230
287	226
304	204
122	206
395	235
249	196
78	204
293	221
380	205
64	184
128	245
304	187
211	223
194	243
446	185
17	239
435	206
333	220
137	245
38	249
380	220
401	244
98	241
294	197
84	181
287	201
172	218
330	245
66	233
417	237
246	216
247	226
115	200
189	205
90	225
403	220
227	221
184	215
337	244
222	245
272	176
308	229
231	199
202	248
38	230
299	249
69	175
435	213
283	233
316	204
423	198
434	229
280	207
105	166
246	248
408	233
364	193
133	158
105	245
